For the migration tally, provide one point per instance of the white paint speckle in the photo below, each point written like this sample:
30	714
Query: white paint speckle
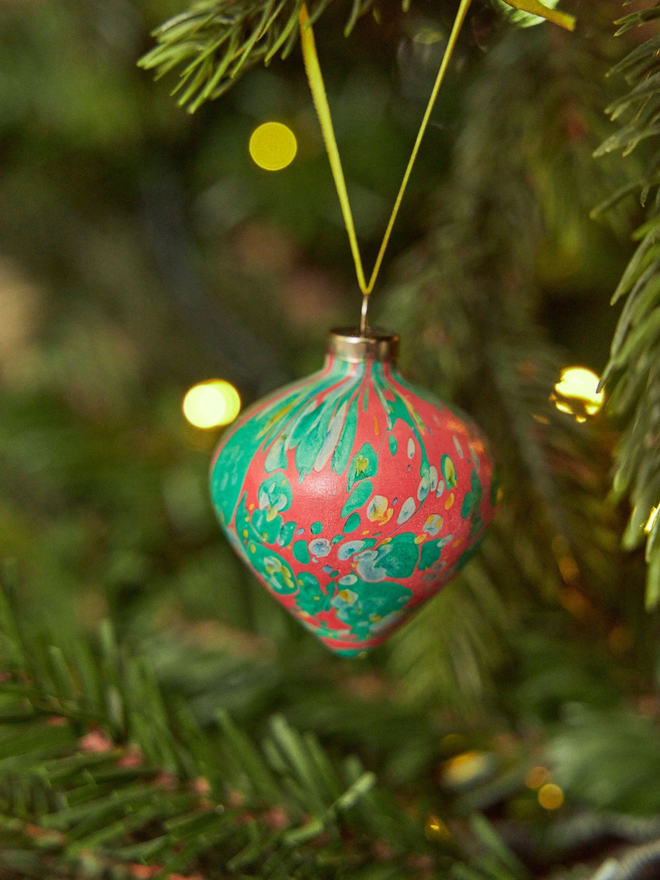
407	510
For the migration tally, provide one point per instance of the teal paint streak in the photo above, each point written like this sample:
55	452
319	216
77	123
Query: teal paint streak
286	534
311	597
276	458
275	494
364	605
301	553
357	498
431	552
275	570
250	433
396	409
395	559
343	451
352	523
472	504
364	464
314	427
448	472
267	530
311	431
402	559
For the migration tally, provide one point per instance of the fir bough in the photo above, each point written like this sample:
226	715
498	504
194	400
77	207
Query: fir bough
96	770
214	41
633	373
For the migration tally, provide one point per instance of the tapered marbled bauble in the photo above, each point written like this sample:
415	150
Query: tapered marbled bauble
353	495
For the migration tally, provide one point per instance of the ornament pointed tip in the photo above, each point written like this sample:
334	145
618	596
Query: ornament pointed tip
360	653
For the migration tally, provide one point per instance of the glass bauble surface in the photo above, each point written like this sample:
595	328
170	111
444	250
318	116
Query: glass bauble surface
352	494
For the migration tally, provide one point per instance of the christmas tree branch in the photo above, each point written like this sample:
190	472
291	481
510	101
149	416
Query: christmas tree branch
100	775
92	762
214	41
632	374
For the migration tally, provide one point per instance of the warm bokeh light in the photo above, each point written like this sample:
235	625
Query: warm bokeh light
653	515
273	146
537	776
550	796
435	829
577	392
465	769
211	404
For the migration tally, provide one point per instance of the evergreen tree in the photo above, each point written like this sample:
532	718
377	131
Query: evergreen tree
160	716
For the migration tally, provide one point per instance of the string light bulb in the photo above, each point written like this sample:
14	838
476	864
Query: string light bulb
577	393
211	404
465	769
537	776
273	146
550	796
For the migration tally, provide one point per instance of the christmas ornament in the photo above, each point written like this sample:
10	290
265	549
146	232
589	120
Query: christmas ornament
353	495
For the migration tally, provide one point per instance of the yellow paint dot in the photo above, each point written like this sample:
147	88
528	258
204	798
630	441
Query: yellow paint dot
449	501
537	777
550	796
420	538
273	146
211	404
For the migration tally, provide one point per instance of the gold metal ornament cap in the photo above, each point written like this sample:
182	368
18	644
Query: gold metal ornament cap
350	344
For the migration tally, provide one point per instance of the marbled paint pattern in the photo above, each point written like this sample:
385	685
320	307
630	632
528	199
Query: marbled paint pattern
353	496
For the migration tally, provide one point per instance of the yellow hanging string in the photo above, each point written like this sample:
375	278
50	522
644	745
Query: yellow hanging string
317	86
